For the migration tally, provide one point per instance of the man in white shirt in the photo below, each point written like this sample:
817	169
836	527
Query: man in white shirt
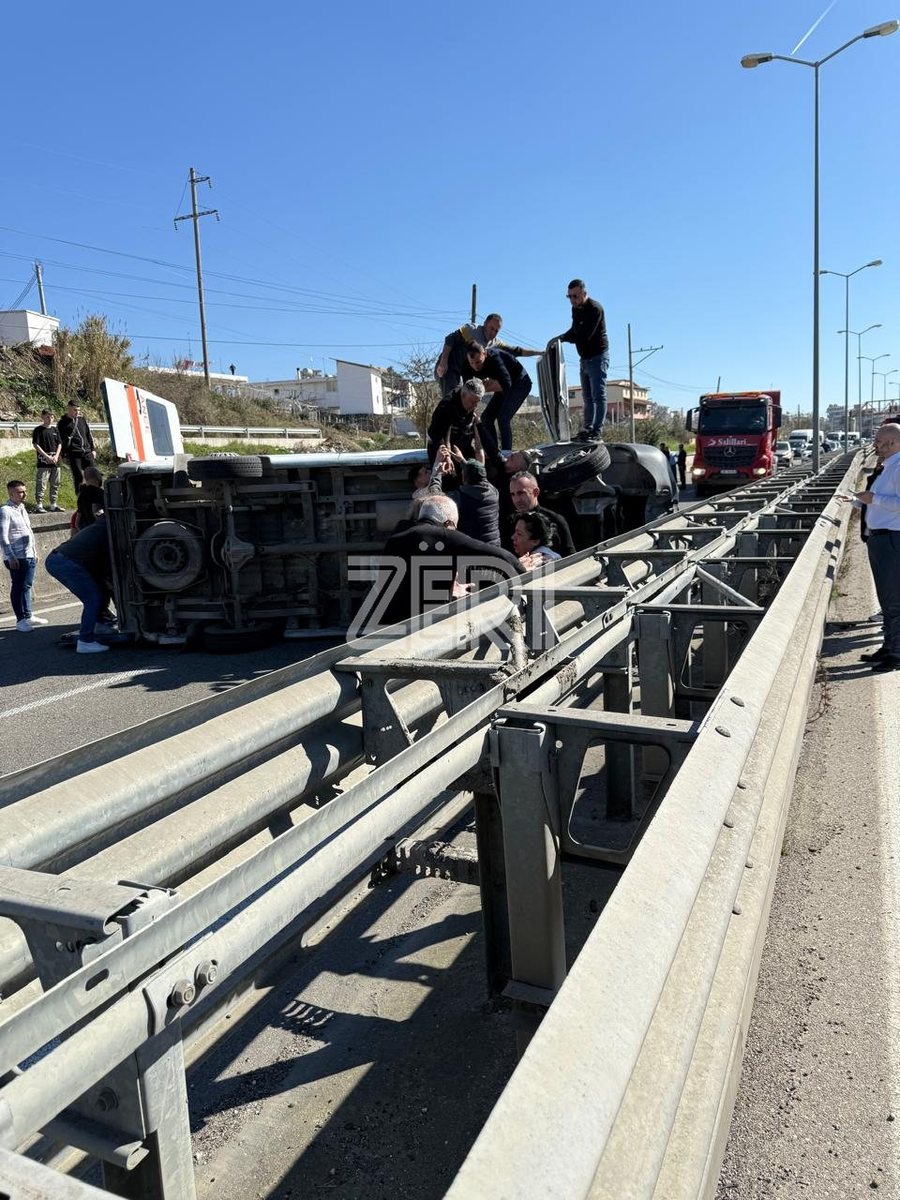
883	544
19	555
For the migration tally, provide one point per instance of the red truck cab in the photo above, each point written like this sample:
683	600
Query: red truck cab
735	438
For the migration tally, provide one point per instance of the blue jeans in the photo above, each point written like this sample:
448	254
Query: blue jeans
81	584
502	407
593	389
22	579
884	559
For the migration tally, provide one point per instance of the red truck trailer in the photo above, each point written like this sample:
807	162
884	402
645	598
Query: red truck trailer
735	438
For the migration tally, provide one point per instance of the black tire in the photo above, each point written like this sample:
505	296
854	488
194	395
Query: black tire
219	638
578	462
225	466
168	556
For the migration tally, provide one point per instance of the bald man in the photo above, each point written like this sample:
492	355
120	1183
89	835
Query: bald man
882	505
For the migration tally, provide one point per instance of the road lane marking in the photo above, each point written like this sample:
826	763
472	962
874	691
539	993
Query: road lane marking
10	622
105	681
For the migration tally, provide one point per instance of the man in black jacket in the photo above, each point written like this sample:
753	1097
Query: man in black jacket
455	421
588	332
504	376
433	562
77	441
524	491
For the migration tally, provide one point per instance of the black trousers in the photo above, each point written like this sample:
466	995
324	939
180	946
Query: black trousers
78	464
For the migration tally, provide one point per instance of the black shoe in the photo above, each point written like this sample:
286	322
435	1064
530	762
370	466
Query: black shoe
874	655
890	662
584	435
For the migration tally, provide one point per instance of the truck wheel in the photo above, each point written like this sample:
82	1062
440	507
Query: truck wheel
578	463
225	466
219	638
168	556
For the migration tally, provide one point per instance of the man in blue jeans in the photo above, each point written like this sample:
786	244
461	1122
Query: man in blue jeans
509	384
82	564
588	332
19	555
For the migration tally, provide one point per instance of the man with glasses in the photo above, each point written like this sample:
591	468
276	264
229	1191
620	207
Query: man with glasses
19	555
588	332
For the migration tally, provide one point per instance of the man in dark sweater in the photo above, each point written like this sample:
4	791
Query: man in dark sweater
588	332
509	384
455	421
82	564
433	562
77	441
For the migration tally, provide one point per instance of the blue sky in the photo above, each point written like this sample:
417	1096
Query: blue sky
370	162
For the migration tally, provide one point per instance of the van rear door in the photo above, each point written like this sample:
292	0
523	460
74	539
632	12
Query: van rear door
142	427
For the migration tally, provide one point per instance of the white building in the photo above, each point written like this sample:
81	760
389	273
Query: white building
356	389
23	325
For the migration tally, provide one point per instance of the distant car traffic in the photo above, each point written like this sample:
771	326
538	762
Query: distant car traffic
784	456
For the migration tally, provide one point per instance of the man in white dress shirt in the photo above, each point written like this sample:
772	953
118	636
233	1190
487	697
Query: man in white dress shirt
883	544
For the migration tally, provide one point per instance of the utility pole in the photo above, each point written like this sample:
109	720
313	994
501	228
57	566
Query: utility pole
195	216
474	294
39	276
646	351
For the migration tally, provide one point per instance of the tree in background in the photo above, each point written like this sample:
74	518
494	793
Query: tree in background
86	355
418	368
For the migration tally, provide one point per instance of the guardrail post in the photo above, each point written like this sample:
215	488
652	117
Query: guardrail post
617	696
492	884
654	639
529	810
135	1119
715	638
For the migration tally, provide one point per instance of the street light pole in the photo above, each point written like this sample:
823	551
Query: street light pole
873	361
884	378
756	60
847	276
859	400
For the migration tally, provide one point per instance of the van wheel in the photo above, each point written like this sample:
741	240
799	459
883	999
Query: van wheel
225	466
578	462
168	556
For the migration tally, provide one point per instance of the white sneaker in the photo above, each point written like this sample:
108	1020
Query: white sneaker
40	508
38	620
90	647
24	626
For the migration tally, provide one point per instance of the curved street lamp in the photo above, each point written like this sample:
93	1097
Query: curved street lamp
755	60
873	361
859	402
847	276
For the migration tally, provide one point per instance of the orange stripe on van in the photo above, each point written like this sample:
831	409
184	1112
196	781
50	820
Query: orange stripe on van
136	426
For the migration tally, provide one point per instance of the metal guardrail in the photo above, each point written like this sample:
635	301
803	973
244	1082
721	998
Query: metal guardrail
659	618
310	433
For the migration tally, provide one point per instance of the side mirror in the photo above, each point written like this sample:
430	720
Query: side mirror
776	416
689	421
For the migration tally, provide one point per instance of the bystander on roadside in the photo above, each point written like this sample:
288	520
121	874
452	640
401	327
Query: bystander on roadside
48	448
17	547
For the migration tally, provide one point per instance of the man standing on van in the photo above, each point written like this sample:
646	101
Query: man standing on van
77	441
588	332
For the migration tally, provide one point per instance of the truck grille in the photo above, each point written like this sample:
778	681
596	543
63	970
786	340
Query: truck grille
729	456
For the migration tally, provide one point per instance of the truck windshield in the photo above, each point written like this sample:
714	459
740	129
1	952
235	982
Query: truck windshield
732	420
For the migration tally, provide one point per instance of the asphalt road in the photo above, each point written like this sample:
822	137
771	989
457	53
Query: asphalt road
54	699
